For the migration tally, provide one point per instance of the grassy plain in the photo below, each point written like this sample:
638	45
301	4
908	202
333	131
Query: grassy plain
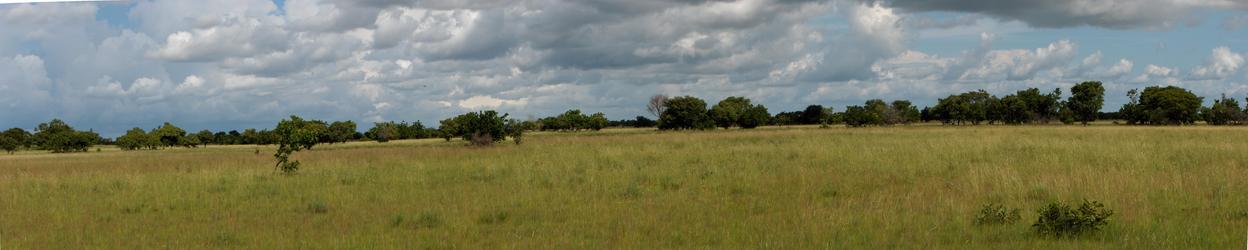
899	187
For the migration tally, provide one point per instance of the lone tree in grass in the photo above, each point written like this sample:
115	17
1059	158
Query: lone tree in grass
1085	101
685	112
293	135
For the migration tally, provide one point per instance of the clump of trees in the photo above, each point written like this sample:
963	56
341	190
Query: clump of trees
573	120
687	112
136	139
481	128
1168	105
14	139
58	137
1225	111
878	113
387	131
736	111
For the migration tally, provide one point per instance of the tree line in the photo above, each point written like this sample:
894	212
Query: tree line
1170	105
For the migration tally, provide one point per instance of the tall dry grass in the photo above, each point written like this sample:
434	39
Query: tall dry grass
900	187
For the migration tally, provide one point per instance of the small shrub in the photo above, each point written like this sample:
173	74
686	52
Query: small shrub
425	220
633	191
318	208
1060	220
493	217
997	214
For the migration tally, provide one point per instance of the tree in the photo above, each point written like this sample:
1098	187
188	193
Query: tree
9	144
970	107
342	131
1225	111
19	135
685	112
1157	105
597	121
136	139
515	129
481	128
859	116
293	135
903	113
1085	101
754	116
190	141
383	131
205	137
787	118
658	104
58	137
169	135
727	113
643	122
449	128
813	114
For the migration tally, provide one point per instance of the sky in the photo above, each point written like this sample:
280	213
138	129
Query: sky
234	64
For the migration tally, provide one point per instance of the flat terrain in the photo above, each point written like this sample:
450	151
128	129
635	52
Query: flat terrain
899	187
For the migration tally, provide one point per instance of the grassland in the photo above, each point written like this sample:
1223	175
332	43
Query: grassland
901	187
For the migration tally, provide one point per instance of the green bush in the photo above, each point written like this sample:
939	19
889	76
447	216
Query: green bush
424	220
318	207
997	214
1061	220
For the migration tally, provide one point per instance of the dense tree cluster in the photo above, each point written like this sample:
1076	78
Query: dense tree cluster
58	137
573	120
479	128
737	111
687	112
1225	111
877	113
388	131
1169	105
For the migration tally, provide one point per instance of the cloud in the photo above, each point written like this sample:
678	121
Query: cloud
1021	64
1154	73
27	89
481	102
1221	64
1116	14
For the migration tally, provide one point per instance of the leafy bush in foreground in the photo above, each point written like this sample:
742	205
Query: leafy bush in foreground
1060	220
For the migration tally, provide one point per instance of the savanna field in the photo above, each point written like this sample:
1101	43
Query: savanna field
772	188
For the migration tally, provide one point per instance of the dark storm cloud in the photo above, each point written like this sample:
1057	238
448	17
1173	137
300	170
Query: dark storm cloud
1117	14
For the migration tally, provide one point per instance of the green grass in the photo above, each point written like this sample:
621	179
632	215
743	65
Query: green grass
798	187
